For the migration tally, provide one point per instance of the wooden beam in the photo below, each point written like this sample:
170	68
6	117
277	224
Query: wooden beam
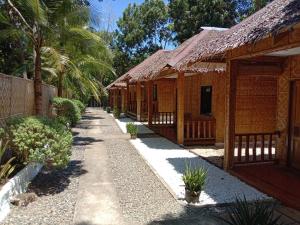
127	95
138	101
271	69
283	40
115	98
230	114
123	99
180	108
150	101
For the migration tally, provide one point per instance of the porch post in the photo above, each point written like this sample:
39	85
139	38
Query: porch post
115	98
231	76
123	92
150	99
127	96
138	101
180	108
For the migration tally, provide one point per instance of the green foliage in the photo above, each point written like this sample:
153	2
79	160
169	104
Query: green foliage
189	16
142	30
1	133
5	168
116	113
38	139
80	105
194	178
257	213
74	58
132	129
68	109
108	109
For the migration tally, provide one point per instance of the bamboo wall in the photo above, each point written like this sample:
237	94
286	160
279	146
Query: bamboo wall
17	97
193	95
132	93
291	72
166	89
256	103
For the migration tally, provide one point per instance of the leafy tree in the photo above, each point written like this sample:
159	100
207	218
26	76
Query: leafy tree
142	30
66	53
189	16
247	7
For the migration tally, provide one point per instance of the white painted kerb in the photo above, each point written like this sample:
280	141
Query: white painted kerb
16	185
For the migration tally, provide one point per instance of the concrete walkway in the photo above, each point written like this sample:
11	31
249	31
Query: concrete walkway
168	161
97	202
118	187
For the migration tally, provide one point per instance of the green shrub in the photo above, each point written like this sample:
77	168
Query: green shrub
194	178
38	139
108	109
6	167
68	109
80	105
132	129
257	213
1	133
116	113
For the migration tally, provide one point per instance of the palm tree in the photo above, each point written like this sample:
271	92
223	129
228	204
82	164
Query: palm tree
72	57
31	17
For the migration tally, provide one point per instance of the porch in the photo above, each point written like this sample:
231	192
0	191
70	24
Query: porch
262	144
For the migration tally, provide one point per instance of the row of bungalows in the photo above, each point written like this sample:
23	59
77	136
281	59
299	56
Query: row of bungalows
238	89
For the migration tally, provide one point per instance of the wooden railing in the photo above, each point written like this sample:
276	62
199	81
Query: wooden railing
255	147
163	118
200	131
132	107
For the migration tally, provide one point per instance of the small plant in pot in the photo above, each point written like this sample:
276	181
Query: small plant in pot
132	130
116	113
194	180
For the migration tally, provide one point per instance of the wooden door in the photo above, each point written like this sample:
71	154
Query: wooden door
295	127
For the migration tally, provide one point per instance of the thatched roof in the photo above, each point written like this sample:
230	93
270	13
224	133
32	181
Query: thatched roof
149	66
118	83
275	17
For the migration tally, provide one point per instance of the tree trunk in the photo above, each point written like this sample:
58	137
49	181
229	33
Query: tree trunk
38	81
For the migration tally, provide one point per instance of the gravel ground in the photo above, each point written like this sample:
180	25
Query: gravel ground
142	197
56	192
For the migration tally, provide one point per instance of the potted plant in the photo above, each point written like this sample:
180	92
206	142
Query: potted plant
116	113
132	130
194	180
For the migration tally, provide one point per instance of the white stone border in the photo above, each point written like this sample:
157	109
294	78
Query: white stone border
16	185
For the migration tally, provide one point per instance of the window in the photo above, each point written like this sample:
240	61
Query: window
155	92
206	100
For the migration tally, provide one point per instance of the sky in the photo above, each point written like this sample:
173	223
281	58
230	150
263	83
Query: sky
107	12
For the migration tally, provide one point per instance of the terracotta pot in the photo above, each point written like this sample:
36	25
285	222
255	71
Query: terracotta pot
191	196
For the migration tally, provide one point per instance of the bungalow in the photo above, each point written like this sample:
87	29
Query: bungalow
262	116
239	86
117	92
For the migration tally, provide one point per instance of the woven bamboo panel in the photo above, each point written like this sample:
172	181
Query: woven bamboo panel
256	104
17	97
165	92
193	95
283	111
295	67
